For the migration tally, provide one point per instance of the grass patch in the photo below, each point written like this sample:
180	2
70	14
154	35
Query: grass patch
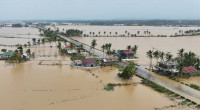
77	57
194	86
156	86
109	88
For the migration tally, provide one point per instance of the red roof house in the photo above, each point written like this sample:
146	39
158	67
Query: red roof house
128	52
90	62
189	69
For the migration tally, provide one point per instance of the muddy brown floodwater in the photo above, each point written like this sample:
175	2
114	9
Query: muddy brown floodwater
49	83
30	86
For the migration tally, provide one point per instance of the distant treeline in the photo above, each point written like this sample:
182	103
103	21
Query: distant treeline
130	22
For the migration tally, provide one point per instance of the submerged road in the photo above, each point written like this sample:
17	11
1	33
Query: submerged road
176	87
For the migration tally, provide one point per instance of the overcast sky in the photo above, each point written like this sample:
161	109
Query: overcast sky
98	9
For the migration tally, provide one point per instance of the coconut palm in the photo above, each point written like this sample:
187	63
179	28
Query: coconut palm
181	53
110	33
168	56
59	46
93	44
138	32
99	33
28	52
150	56
103	48
43	41
116	33
161	55
104	33
134	49
34	41
156	55
129	47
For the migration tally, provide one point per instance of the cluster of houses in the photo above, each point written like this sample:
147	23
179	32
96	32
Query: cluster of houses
8	54
97	62
170	67
94	62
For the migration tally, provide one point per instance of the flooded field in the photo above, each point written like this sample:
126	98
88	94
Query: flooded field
48	82
154	30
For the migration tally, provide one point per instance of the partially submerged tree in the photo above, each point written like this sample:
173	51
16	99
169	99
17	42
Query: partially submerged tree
128	72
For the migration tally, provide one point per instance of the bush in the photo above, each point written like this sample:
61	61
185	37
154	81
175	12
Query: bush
194	86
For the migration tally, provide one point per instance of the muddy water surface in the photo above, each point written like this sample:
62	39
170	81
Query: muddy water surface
49	83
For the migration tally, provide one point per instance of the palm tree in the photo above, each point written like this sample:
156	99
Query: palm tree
99	33
38	41
134	49
93	33
156	55
150	56
104	33
103	48
138	32
109	47
59	46
129	47
28	52
181	53
116	33
34	41
161	55
43	41
93	44
90	33
168	56
20	48
110	33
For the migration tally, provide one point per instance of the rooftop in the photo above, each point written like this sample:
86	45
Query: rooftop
89	60
128	51
189	69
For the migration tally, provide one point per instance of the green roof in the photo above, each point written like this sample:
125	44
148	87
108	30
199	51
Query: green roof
9	53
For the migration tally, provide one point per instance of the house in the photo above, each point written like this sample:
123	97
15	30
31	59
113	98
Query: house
8	54
89	62
167	67
189	69
109	61
126	54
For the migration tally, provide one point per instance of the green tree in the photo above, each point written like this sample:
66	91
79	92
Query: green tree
129	71
4	50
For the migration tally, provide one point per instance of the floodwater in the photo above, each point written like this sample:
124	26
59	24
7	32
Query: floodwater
49	83
30	86
154	30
